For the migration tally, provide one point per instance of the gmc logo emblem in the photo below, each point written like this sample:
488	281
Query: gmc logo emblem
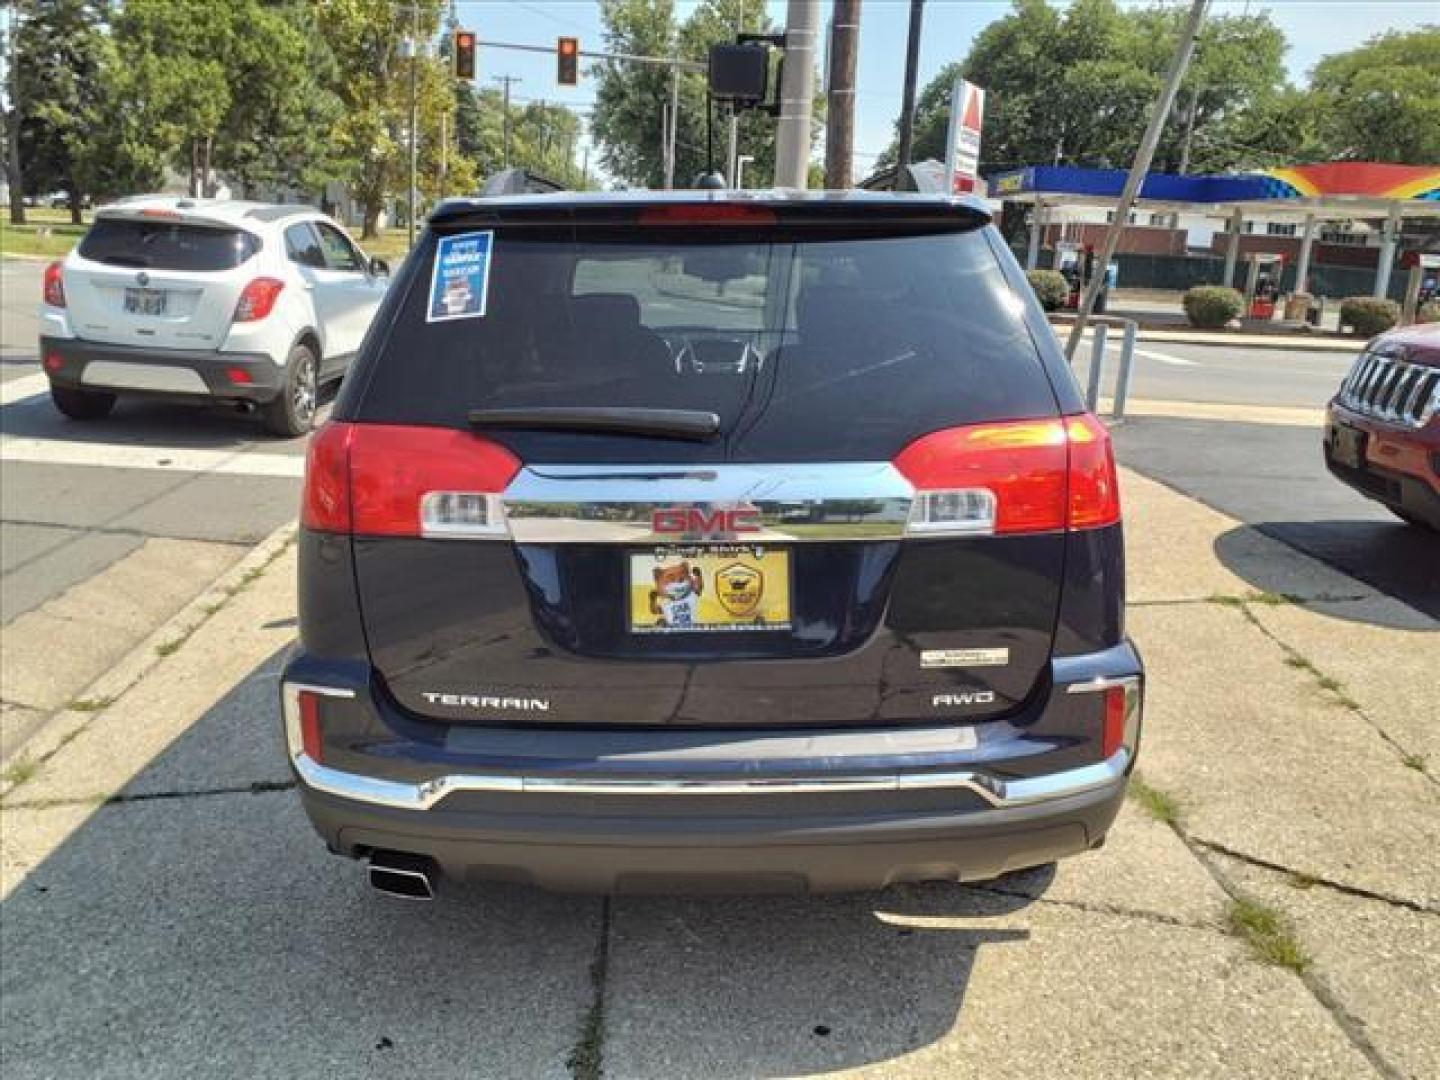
692	521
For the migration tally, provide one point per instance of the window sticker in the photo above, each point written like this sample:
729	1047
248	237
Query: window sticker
460	281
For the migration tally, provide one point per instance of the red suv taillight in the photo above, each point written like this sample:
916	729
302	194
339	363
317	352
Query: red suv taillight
258	299
54	285
1020	476
392	480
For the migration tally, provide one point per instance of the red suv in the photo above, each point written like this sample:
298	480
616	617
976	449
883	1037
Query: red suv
1382	431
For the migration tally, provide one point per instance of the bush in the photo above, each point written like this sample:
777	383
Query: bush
1212	306
1050	287
1429	311
1368	316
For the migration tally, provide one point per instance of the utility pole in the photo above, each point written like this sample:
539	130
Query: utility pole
912	64
506	80
414	119
840	117
672	126
797	91
732	148
1139	168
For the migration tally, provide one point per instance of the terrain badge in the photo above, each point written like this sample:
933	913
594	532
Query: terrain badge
739	588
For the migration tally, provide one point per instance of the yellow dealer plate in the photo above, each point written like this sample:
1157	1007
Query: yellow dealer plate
709	588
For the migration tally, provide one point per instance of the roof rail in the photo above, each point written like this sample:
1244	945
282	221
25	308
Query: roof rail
520	182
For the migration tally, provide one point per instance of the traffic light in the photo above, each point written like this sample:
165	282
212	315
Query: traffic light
464	53
567	61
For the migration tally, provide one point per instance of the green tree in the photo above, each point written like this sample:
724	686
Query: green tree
630	97
1381	101
371	135
1076	85
62	60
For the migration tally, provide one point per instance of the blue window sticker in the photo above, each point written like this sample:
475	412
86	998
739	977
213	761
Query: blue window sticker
460	281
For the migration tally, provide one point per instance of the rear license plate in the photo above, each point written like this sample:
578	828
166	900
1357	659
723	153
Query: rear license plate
709	588
1349	447
146	301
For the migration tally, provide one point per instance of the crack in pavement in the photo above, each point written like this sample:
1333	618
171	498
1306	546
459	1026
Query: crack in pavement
255	787
1344	700
1358	891
586	1060
1098	909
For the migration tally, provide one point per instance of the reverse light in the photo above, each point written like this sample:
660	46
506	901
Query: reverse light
54	285
1023	476
258	299
394	480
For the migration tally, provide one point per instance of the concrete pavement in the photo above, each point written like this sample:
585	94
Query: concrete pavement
168	913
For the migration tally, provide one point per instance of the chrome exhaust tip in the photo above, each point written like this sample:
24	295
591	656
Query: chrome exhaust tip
398	873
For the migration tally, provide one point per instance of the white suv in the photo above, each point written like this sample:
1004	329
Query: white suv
206	299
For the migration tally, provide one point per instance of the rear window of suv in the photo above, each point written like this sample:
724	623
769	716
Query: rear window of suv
167	245
808	345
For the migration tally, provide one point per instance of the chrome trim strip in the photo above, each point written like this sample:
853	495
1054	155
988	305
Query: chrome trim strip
995	791
558	504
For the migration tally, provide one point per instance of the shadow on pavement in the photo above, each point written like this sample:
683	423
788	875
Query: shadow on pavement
195	925
1400	560
141	422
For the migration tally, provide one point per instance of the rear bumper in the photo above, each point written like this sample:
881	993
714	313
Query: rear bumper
643	853
172	373
672	810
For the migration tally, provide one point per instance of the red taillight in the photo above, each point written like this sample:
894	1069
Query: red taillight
310	725
1094	486
54	362
374	480
1116	713
239	376
325	504
54	285
258	299
707	214
1020	476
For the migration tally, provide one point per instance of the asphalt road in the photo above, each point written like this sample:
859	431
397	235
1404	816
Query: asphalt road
1272	477
1224	373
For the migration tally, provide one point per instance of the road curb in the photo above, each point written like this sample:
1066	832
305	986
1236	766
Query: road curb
63	725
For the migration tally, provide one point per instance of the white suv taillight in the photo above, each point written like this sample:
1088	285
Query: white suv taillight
258	299
1020	476
394	480
54	285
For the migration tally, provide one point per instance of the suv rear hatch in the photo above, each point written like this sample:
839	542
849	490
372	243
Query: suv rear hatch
157	278
706	464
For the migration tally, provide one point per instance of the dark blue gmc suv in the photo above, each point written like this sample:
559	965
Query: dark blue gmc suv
710	540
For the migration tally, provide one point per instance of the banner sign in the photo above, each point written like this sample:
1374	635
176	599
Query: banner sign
962	141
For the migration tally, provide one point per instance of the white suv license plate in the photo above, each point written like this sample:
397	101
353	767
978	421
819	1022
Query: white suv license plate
146	301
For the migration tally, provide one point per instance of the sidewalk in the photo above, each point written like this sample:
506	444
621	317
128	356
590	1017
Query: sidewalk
1268	904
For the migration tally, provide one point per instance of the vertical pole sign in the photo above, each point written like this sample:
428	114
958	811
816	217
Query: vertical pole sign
962	140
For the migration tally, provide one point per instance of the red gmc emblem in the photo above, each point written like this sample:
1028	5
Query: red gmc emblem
692	521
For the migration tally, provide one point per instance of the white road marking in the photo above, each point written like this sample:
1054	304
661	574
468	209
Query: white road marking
1113	343
25	450
27	386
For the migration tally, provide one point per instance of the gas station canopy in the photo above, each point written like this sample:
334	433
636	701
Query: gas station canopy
1355	188
1326	191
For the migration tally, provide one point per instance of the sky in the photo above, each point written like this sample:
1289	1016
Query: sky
1314	29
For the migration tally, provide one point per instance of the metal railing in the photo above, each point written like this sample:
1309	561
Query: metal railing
1098	344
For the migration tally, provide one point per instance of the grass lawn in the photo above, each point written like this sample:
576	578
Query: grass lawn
45	232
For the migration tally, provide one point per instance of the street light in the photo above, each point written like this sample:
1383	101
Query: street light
740	163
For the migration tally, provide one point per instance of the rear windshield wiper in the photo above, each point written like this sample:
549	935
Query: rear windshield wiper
659	423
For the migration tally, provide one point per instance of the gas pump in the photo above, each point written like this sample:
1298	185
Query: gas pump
1078	265
1423	284
1262	284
